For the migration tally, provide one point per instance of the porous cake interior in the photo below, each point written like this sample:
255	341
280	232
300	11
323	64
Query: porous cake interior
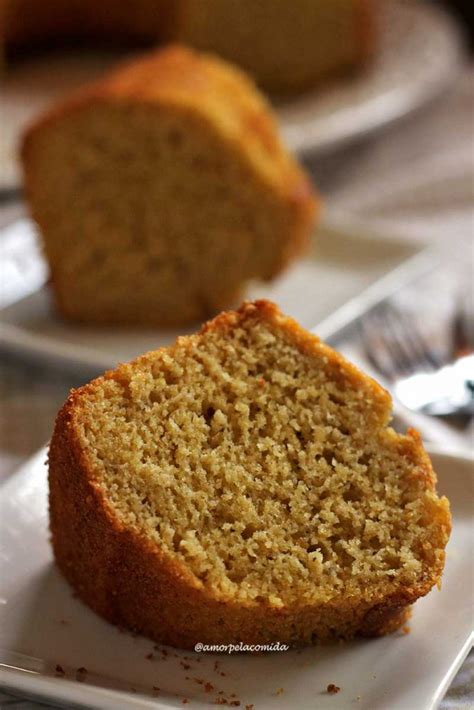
149	216
264	467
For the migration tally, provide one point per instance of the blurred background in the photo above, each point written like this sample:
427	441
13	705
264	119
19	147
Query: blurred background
390	145
463	11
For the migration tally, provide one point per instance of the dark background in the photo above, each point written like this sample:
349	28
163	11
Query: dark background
464	10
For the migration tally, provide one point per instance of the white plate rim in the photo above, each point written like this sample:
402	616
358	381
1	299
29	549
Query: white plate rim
392	106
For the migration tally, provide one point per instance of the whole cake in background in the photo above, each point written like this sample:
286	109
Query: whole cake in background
287	45
161	190
243	485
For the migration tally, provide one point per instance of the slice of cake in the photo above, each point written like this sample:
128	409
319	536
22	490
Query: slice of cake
287	45
162	190
243	485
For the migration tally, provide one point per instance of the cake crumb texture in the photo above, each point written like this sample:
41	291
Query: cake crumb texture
243	485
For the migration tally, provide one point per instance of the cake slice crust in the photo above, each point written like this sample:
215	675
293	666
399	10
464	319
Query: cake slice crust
243	485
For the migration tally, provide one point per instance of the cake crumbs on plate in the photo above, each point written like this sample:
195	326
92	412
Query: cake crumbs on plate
405	630
333	689
81	674
59	670
150	656
225	701
280	691
249	707
155	689
207	686
184	665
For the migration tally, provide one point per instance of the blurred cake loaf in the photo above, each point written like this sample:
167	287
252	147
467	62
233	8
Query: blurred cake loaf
243	485
287	45
161	190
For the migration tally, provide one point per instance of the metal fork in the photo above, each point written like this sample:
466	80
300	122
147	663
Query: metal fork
395	346
426	375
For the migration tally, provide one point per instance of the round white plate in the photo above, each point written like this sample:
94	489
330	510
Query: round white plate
419	53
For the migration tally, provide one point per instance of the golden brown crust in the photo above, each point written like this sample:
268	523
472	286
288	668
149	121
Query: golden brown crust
132	583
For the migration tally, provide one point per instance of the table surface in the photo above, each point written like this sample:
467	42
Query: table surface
416	178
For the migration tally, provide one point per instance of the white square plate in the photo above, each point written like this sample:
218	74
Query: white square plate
349	269
43	625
